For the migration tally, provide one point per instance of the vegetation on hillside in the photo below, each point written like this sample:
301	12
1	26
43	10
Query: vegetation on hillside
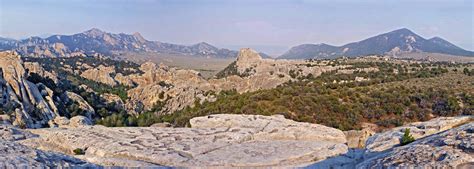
338	101
106	113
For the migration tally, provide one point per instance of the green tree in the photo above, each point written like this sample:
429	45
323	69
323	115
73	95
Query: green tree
407	138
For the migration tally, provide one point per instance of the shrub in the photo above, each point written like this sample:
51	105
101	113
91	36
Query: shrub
79	151
407	138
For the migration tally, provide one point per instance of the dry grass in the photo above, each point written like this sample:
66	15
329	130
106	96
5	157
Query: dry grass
208	67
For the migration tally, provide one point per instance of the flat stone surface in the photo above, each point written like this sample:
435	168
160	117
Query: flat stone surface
260	145
15	155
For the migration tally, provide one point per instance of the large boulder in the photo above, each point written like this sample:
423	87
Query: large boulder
246	141
75	98
101	74
386	140
357	138
79	121
113	99
450	149
271	127
35	67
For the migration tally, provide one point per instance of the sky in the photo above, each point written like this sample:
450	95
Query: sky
268	26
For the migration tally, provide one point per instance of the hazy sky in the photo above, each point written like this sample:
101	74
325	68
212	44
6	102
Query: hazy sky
271	26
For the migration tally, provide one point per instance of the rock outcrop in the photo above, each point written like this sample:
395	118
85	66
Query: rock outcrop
100	74
358	138
243	141
83	105
35	67
29	105
447	143
450	149
113	99
386	140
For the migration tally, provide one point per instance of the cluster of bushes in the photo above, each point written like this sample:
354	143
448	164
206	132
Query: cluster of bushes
145	119
468	72
344	106
228	71
124	67
232	70
123	119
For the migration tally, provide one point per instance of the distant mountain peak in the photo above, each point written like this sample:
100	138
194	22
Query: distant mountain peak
400	41
94	32
403	30
202	44
139	37
436	38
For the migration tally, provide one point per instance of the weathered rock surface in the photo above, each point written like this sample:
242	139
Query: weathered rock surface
15	155
35	67
386	140
100	74
113	99
357	138
79	121
245	141
29	104
73	97
271	127
450	149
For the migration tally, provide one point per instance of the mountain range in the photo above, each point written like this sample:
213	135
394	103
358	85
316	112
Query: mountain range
395	43
96	41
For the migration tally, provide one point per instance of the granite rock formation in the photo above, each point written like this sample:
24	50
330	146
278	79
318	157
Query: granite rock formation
386	140
30	105
244	141
450	149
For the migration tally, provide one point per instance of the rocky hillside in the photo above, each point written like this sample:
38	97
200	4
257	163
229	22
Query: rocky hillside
397	42
95	41
166	89
24	103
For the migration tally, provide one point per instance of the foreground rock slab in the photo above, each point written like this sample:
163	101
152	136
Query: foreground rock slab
15	155
389	139
258	141
451	149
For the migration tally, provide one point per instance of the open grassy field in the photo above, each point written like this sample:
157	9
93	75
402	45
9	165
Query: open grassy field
208	67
